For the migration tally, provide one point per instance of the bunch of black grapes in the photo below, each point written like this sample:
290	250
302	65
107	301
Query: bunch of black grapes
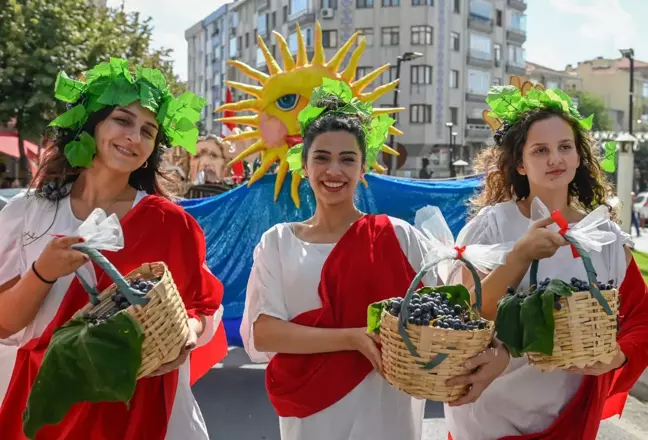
141	286
575	284
437	309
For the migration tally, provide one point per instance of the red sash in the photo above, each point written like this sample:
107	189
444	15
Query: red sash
155	230
366	265
600	397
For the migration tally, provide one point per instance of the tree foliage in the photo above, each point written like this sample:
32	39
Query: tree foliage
589	103
39	38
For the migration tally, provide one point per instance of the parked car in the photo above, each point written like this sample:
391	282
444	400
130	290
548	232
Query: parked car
6	194
641	205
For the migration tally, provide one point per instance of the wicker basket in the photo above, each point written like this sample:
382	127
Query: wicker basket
161	314
584	334
420	359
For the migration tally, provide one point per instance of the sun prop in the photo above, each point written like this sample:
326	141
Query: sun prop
283	93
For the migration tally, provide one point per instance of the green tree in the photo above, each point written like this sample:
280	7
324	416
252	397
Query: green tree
589	103
39	38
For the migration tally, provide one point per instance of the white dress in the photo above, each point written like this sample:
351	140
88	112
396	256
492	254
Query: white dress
283	284
524	400
26	217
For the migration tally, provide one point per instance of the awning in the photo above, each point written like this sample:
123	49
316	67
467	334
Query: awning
9	146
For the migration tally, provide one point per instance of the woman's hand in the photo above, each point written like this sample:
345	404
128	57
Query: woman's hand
487	366
600	368
367	344
58	259
195	328
539	242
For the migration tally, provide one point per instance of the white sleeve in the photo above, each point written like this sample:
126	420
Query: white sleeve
12	218
415	246
617	263
264	292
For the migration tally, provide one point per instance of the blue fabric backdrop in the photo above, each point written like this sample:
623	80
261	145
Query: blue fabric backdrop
234	222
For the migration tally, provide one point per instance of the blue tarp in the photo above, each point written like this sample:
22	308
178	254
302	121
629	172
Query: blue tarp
234	222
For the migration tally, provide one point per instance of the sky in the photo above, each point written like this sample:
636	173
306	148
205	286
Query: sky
559	32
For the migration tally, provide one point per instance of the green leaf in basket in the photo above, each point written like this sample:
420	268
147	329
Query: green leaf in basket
456	294
536	315
508	325
85	362
374	312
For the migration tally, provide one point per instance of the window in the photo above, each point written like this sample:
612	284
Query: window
454	79
285	14
362	71
454	41
390	3
262	24
247	40
480	46
645	90
421	74
516	56
364	4
421	113
517	21
497	51
421	35
308	39
390	36
274	19
481	9
389	75
331	4
478	82
497	81
454	115
368	34
498	17
239	44
456	9
260	59
329	39
298	6
422	2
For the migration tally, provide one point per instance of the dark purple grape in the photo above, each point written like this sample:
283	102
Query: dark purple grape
411	320
457	309
394	312
557	305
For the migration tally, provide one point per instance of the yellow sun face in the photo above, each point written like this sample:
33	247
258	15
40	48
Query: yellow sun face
282	94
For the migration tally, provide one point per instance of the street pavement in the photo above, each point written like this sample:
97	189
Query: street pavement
234	403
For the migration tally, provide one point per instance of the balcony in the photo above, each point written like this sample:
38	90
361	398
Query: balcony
479	58
476	130
303	17
520	5
263	4
516	35
480	23
476	96
515	69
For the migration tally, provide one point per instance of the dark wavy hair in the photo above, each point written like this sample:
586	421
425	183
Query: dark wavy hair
503	183
54	166
329	121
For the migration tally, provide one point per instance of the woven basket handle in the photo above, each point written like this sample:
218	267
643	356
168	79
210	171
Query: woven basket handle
404	313
131	294
589	269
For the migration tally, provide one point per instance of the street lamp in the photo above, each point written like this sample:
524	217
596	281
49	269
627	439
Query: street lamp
625	178
407	56
451	148
629	54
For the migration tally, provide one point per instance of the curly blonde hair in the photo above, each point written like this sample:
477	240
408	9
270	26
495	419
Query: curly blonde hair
503	183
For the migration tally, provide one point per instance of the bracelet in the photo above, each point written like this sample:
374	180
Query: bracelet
33	266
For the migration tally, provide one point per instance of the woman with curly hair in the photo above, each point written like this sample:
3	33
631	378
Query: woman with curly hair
545	152
106	154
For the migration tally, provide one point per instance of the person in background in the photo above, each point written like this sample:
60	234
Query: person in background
425	172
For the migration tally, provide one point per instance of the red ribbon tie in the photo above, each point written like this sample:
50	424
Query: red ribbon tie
460	250
564	227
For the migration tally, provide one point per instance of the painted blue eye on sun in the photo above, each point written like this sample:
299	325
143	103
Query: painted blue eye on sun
288	102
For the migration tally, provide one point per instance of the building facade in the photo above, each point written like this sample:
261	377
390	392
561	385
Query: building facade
460	48
553	79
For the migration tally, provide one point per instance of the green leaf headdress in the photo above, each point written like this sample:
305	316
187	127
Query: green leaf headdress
111	84
375	129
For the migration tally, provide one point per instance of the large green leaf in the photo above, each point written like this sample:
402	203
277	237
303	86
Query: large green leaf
73	118
456	293
538	332
85	362
609	157
120	91
294	159
68	90
508	325
81	152
374	314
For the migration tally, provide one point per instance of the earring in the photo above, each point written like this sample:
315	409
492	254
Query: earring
145	164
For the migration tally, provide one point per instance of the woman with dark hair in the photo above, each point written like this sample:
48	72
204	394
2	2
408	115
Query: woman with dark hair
543	151
105	153
312	281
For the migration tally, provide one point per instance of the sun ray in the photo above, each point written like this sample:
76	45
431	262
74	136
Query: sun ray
395	131
255	91
379	92
335	62
364	182
254	148
242	136
247	70
252	120
266	162
350	71
273	67
386	111
294	189
318	56
282	171
288	60
359	85
381	169
302	56
246	104
389	150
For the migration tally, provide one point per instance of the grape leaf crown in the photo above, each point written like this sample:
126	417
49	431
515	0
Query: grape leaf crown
112	84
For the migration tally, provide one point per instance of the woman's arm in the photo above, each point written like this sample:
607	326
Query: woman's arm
20	300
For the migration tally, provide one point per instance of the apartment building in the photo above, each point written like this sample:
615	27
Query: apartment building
459	48
552	78
206	56
610	79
